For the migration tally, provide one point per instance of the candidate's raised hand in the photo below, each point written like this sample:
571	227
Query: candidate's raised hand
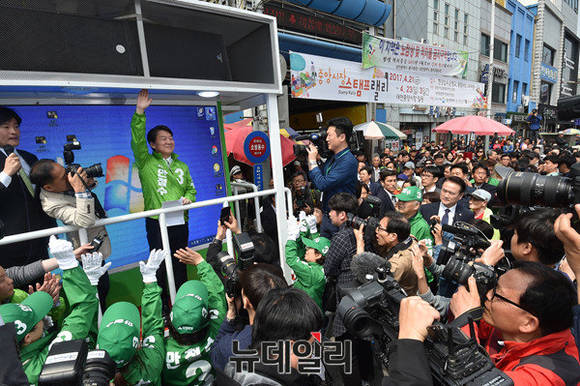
143	101
149	269
92	266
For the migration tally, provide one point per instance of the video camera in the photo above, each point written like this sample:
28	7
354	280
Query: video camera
371	311
371	223
458	256
73	143
71	363
230	269
317	139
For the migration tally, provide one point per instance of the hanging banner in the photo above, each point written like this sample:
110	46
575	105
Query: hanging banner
397	55
317	77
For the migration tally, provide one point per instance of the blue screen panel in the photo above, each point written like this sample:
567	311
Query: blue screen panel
105	136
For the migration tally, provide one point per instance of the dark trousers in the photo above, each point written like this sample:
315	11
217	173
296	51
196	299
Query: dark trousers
178	238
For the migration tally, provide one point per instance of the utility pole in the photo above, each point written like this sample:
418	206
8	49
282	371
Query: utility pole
490	70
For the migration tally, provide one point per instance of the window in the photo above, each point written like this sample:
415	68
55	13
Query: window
545	92
456	29
524	89
573	4
436	17
446	29
465	29
484	45
500	50
527	51
498	93
518	45
515	91
548	55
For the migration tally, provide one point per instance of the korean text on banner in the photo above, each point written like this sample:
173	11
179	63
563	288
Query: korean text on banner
317	77
403	56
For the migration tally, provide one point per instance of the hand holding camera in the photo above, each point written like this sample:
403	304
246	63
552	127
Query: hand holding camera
75	181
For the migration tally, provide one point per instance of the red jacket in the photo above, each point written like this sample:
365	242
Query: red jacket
549	360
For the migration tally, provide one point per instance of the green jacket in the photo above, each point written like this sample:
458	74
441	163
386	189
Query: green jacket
83	304
191	365
419	227
491	181
159	181
309	276
147	364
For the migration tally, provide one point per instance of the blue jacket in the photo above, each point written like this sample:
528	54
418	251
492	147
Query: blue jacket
534	121
336	175
222	348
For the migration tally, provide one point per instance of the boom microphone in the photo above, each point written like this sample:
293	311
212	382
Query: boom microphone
364	266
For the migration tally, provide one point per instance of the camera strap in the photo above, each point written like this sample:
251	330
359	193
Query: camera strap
399	247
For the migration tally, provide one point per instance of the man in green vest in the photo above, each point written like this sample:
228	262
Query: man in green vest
408	204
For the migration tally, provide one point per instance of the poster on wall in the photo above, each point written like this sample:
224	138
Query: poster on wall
404	56
317	77
105	136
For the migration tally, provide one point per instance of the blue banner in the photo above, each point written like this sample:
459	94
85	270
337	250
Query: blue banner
105	135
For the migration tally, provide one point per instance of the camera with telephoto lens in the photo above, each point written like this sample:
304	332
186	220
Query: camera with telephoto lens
230	269
371	312
71	363
73	143
533	189
371	223
317	139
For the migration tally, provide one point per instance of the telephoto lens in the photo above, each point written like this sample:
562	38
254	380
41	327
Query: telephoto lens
533	189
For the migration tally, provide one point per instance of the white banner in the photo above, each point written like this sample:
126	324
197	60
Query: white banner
397	55
318	77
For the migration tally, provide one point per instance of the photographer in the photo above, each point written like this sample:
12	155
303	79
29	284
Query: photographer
526	324
78	286
255	283
338	173
193	323
302	195
20	210
140	362
64	197
285	314
163	178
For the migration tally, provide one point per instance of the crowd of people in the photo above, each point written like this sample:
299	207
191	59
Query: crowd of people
396	210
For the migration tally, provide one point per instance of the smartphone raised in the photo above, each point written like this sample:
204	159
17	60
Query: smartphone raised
225	215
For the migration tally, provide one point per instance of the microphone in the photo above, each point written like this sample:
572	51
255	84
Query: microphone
364	266
9	149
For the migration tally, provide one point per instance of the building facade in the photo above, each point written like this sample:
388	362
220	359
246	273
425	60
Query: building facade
501	57
521	51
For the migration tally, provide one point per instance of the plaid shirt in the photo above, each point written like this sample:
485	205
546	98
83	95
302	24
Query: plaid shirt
337	264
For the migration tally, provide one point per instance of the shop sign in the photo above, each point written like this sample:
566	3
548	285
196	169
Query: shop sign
317	77
548	73
295	20
403	56
518	118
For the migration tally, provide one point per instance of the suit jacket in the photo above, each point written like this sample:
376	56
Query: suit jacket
462	213
387	203
490	188
375	188
22	213
75	211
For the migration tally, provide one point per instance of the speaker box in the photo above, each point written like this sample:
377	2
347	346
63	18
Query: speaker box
33	40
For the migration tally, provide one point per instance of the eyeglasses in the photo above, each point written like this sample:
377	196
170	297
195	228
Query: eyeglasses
494	294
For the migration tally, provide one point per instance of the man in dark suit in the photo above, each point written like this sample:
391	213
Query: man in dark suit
20	210
365	176
462	171
450	209
387	192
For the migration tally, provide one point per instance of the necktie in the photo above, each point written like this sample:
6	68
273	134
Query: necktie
26	181
445	219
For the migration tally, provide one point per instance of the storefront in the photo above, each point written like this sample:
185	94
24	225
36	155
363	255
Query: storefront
549	115
518	122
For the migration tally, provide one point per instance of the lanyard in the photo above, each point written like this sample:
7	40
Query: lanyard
331	164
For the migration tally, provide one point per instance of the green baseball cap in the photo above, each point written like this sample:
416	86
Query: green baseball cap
28	313
321	244
410	193
119	332
190	312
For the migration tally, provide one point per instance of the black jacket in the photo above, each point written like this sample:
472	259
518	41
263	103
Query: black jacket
20	213
408	365
462	213
387	204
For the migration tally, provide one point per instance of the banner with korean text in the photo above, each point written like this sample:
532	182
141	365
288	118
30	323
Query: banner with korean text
398	55
317	77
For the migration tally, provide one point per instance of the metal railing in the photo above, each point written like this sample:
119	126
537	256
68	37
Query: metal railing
236	185
162	225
